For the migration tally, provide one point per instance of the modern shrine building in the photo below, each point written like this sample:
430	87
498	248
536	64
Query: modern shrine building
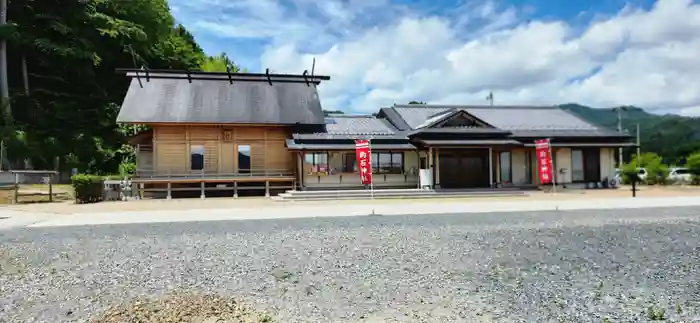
224	131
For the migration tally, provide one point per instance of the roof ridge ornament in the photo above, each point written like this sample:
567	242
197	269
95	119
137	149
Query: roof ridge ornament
267	74
228	72
306	79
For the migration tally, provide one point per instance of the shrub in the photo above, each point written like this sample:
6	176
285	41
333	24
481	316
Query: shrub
657	171
127	169
628	172
693	164
88	188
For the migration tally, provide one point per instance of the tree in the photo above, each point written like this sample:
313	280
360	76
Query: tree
657	171
220	63
416	102
329	112
693	164
71	50
4	87
671	136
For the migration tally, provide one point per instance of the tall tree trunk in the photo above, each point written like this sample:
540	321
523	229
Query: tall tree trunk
4	87
25	76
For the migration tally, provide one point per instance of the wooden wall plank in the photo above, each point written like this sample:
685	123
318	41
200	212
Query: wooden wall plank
172	146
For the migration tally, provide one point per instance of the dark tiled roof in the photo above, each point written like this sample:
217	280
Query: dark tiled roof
473	142
462	130
511	118
352	126
167	100
291	144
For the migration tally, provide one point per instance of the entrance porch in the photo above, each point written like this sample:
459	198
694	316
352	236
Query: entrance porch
502	166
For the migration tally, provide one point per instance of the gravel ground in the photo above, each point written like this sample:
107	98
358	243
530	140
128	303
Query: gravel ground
575	266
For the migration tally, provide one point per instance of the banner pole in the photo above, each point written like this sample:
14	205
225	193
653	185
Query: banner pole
371	183
551	162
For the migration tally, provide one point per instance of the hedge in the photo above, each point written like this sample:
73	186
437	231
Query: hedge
88	188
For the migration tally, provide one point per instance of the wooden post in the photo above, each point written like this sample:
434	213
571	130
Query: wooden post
267	188
202	196
491	167
50	187
170	191
235	190
15	199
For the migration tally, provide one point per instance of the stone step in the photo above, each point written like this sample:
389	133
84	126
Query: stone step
393	195
400	191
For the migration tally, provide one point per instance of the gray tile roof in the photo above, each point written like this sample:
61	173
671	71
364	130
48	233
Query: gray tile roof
163	100
349	126
415	115
503	117
473	142
291	144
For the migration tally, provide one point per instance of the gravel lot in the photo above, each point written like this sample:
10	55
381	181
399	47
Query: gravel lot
575	266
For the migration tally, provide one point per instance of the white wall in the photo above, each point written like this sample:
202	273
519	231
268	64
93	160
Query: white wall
410	161
607	163
563	160
518	166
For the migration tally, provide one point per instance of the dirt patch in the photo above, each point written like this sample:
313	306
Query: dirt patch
29	194
183	308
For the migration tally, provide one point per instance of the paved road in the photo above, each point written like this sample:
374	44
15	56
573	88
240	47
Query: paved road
566	266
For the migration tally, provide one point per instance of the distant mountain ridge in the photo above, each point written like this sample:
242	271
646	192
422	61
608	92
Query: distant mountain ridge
671	136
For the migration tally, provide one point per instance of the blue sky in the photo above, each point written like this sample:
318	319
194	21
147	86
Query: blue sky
379	52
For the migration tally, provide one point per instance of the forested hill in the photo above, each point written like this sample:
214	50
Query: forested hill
671	136
64	92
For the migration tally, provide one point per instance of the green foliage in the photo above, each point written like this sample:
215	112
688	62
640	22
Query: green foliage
629	173
127	169
657	171
416	102
329	112
655	313
693	164
8	31
219	63
72	49
88	188
670	136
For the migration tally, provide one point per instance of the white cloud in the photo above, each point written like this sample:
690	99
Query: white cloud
645	58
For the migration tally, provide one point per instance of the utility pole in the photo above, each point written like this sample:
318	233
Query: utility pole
619	129
490	98
639	149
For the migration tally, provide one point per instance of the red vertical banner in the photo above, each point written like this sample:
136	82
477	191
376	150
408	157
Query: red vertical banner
544	161
364	162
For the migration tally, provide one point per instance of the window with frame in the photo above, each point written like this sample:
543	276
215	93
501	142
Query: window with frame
387	162
197	157
316	162
505	165
577	171
244	163
350	163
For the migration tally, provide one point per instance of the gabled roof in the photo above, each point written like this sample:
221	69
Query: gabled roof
520	120
437	124
355	126
221	98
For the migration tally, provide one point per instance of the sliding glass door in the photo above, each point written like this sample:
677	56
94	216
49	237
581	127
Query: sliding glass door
577	173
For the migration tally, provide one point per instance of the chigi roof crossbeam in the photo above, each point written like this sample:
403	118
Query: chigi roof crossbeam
231	77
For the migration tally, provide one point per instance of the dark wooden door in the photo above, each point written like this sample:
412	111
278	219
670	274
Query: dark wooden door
466	168
591	164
